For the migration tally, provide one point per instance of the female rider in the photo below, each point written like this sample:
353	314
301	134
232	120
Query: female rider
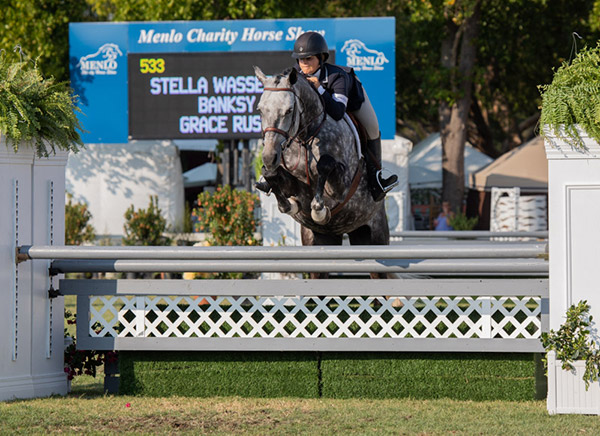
342	92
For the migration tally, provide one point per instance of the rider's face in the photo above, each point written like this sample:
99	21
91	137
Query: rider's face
309	64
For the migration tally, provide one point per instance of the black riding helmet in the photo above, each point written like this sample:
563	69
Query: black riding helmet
310	44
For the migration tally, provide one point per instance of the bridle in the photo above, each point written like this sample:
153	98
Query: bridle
296	137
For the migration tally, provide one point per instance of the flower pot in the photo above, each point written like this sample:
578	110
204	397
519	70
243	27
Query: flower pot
567	392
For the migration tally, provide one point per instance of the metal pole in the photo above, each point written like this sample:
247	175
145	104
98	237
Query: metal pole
226	163
246	164
236	162
490	250
421	266
468	234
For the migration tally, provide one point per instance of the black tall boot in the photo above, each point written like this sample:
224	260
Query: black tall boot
378	185
262	184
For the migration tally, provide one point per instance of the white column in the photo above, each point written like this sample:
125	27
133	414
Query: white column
31	349
574	229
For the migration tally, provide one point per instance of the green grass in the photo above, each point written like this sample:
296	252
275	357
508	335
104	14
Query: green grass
206	374
87	411
459	376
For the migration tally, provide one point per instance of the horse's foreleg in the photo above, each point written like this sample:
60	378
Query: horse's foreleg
277	180
330	170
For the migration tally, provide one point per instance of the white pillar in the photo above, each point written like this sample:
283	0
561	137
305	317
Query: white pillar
574	231
574	239
31	345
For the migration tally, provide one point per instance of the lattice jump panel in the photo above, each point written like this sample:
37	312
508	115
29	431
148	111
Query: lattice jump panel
315	317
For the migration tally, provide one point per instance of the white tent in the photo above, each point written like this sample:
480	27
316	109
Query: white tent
205	174
112	177
425	163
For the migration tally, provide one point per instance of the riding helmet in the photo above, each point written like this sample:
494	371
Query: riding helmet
310	44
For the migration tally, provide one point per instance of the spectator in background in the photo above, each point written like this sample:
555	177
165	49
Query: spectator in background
442	220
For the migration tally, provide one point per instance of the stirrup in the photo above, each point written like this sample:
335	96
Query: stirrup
392	185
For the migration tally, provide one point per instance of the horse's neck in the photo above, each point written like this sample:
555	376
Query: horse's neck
313	109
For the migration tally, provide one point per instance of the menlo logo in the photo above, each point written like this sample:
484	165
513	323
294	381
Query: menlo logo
360	57
103	62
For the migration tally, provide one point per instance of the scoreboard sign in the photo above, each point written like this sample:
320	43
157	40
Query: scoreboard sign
183	95
191	80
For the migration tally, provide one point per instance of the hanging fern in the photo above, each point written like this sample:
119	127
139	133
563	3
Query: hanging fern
36	109
572	100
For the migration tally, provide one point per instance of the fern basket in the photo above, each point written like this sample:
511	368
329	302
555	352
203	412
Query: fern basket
35	110
571	103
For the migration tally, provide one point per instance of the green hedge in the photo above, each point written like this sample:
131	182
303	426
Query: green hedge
207	374
464	376
461	376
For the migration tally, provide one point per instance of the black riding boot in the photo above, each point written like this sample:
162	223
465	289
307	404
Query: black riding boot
378	185
262	184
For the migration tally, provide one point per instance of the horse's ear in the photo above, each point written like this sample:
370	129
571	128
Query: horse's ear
261	76
293	77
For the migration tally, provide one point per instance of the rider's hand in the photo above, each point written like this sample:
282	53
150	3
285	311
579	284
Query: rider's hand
314	81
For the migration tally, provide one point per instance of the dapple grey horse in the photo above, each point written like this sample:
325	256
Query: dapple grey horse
313	166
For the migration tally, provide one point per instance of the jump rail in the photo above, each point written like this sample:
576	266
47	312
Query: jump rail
503	313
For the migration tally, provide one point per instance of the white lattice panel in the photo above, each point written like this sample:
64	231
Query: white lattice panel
315	317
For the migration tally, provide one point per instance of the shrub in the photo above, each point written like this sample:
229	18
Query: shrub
459	221
573	98
77	227
145	226
36	109
573	341
79	362
228	216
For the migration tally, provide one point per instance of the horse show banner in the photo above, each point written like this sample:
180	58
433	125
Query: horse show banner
195	79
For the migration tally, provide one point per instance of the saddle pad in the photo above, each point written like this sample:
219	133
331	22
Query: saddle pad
356	137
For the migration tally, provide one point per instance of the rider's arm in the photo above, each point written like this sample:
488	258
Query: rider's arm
336	96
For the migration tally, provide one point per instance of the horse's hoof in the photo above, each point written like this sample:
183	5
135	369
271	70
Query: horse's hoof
321	216
294	206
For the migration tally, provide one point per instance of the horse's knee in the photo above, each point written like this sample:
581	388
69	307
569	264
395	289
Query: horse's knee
321	216
326	164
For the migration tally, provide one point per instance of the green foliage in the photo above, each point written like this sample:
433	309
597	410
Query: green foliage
77	228
466	376
145	226
572	341
36	109
460	376
211	374
80	362
41	27
227	215
572	100
459	221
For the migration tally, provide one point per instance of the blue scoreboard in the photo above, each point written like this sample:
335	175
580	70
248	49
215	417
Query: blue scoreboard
195	79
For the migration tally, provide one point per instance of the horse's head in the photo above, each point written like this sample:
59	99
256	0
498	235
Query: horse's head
279	113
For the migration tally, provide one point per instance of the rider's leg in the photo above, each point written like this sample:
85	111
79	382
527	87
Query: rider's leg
378	184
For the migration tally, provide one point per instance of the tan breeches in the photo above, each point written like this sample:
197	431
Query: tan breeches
366	116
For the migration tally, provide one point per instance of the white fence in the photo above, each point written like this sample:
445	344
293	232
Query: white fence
503	307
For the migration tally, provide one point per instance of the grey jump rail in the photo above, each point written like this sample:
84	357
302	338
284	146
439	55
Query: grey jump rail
468	234
503	307
463	258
